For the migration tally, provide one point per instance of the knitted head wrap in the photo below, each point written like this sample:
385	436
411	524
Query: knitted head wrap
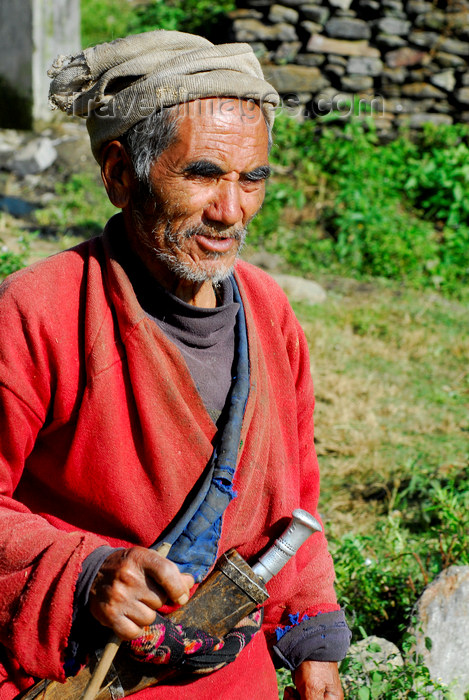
116	85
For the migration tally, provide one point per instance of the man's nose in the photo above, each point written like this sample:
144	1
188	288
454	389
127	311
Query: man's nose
225	206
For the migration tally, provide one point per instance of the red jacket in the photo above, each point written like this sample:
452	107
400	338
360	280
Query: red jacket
102	435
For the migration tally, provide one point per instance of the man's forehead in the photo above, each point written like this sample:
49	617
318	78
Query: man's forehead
229	132
220	109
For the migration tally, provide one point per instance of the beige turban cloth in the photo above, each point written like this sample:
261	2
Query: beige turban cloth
118	84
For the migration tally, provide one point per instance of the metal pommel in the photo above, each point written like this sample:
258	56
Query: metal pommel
302	525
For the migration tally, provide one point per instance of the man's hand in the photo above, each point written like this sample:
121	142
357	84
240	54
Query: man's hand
130	585
316	680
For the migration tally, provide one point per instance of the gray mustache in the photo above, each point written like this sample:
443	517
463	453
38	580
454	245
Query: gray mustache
237	234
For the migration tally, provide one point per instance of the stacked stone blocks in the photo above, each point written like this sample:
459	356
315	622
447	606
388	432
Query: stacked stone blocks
405	61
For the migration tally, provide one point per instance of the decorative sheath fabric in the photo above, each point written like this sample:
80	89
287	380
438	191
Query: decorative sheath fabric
117	84
103	435
193	650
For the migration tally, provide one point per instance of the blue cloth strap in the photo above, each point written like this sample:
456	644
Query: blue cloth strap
195	532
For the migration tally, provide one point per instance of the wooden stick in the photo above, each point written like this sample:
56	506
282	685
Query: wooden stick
111	649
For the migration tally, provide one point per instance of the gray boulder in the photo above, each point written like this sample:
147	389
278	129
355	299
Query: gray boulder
280	13
337	60
246	13
443	617
427	40
395	6
311	27
419	7
362	65
341	47
10	141
310	59
315	13
265	260
342	4
287	51
403	105
450	45
421	89
395	75
38	155
334	70
348	28
372	654
356	83
371	5
293	78
405	56
449	60
390	41
431	20
300	289
415	121
393	25
462	95
253	30
446	80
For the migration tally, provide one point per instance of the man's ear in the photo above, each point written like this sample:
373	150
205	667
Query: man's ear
117	173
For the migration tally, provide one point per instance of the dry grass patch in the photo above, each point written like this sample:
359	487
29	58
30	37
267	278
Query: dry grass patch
392	391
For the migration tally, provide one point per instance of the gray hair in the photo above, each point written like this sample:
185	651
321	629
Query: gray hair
150	137
146	140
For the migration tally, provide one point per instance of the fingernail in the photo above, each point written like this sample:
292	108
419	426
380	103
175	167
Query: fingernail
183	599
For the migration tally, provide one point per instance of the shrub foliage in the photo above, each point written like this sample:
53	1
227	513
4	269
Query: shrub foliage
345	202
104	21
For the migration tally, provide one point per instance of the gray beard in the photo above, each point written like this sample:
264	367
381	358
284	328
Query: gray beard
190	272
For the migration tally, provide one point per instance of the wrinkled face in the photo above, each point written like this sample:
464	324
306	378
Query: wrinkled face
205	188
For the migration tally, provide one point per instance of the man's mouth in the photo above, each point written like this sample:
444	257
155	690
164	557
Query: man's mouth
214	245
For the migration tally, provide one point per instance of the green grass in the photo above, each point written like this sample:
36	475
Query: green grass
392	387
341	201
104	21
392	425
10	260
81	207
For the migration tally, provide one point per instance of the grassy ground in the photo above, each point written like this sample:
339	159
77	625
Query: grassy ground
392	391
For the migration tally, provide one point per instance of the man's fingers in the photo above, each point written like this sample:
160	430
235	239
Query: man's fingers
168	577
114	614
127	629
130	585
140	614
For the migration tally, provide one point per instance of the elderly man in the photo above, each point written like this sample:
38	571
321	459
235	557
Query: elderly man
152	388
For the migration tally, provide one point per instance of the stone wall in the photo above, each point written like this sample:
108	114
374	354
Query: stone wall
399	61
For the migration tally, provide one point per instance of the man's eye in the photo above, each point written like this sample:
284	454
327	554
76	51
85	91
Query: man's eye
259	175
256	178
253	180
